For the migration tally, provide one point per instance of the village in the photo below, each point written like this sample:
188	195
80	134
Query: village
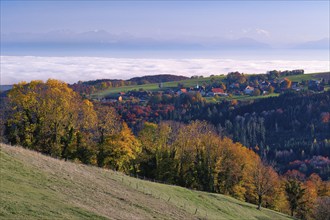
234	84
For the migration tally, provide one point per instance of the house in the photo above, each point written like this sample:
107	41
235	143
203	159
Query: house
118	97
217	91
234	86
248	90
181	91
264	85
139	94
314	82
202	90
315	85
169	92
295	86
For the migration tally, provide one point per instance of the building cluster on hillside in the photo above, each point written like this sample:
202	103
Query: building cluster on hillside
204	91
234	86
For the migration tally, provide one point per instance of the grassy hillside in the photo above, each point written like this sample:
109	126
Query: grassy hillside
34	186
299	78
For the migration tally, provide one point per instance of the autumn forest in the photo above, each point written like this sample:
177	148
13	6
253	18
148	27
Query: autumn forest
252	151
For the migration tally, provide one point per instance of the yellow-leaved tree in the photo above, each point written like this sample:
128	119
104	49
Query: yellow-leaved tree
119	151
42	114
264	181
51	118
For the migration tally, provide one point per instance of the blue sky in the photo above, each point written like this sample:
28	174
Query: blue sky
266	21
43	39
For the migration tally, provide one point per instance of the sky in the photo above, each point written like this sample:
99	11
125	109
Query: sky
276	22
85	40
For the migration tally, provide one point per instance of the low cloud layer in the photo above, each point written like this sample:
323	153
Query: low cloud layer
72	69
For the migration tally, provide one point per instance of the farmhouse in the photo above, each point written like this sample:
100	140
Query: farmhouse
248	90
315	85
217	91
180	91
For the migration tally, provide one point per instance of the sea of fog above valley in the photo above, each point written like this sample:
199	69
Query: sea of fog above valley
25	65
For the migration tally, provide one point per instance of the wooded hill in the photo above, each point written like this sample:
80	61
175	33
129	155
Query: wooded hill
157	79
92	86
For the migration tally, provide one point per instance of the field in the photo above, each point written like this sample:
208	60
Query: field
155	86
34	186
299	78
200	81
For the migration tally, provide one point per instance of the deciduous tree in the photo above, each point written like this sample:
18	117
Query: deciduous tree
119	150
264	180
